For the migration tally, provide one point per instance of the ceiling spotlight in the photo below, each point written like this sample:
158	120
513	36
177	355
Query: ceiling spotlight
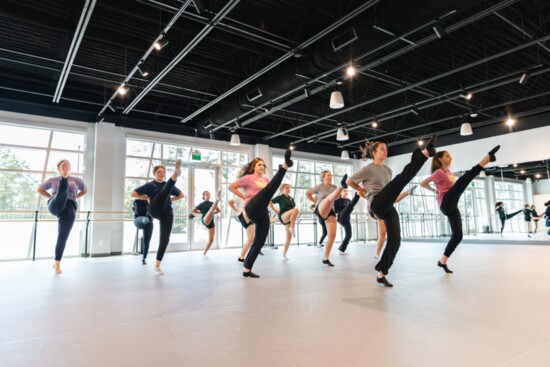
375	123
235	140
474	114
292	146
439	30
515	164
143	71
351	70
510	121
122	90
523	78
537	176
415	111
160	44
336	100
466	96
342	134
345	155
420	142
522	171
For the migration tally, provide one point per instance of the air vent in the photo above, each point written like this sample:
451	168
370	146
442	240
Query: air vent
344	39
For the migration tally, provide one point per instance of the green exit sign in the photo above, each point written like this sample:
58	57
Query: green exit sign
196	156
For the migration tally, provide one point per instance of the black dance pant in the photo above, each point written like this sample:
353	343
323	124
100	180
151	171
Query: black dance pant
508	216
344	218
449	207
159	209
58	202
65	222
256	210
147	234
382	207
323	227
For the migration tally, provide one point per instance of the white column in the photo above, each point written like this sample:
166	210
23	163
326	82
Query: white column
108	189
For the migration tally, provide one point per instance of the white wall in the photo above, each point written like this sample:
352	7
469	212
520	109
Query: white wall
523	146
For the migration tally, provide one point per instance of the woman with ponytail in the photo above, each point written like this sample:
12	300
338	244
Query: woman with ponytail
258	193
448	191
381	193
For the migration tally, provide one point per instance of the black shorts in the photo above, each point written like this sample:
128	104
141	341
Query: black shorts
316	212
280	216
211	225
243	221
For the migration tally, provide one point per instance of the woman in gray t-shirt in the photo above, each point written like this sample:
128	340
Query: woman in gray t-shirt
325	195
381	192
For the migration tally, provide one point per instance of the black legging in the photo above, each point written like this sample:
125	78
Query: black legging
256	210
449	207
65	211
382	207
323	227
159	209
147	234
344	218
508	216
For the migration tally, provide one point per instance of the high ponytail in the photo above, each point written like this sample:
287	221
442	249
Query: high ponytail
369	148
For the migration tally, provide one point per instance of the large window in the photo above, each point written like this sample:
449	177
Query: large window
29	156
306	176
142	156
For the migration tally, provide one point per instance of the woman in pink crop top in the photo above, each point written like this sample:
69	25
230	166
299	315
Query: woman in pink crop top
448	191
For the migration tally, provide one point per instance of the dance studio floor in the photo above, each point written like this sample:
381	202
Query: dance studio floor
494	311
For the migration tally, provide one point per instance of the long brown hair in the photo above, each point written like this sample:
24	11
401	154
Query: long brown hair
369	148
249	167
436	164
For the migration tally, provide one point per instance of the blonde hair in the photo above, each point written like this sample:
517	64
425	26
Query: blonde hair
324	173
283	186
369	148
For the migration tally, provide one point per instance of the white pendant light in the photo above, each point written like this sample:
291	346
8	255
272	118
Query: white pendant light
345	155
336	100
235	140
466	129
342	134
482	174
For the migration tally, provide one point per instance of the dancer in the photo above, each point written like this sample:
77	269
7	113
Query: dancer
536	218
381	194
382	227
287	214
499	208
448	191
208	209
527	218
343	207
258	193
323	227
325	195
161	194
143	221
62	203
547	215
242	218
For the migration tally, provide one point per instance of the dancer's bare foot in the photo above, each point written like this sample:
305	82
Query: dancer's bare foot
158	269
57	267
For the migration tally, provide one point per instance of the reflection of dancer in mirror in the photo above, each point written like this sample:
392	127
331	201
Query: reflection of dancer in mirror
448	191
161	195
381	193
382	226
287	214
547	215
325	195
344	207
62	203
536	218
237	206
208	209
527	217
499	208
258	193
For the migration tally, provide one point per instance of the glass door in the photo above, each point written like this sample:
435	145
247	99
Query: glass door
202	179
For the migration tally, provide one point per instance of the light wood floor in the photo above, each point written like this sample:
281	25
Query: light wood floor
494	311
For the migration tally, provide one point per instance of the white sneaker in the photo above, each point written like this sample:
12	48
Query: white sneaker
285	258
205	257
293	231
159	271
